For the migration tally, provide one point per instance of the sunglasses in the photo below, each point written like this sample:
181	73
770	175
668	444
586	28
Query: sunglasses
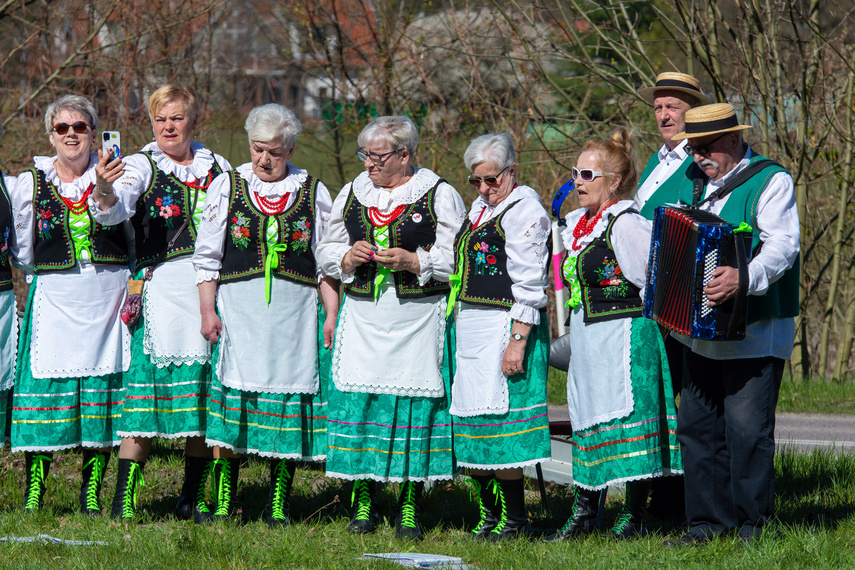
703	149
373	156
490	180
79	127
587	174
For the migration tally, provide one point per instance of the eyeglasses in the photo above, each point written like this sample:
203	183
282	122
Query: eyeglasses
490	180
373	156
79	127
587	174
702	149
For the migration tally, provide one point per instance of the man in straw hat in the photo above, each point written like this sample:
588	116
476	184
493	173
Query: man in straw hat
660	183
726	420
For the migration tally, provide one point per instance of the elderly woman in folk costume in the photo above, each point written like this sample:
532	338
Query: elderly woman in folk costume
73	346
498	398
618	384
163	193
8	312
390	243
255	255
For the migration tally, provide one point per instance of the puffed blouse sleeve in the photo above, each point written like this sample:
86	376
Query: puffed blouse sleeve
438	263
631	242
128	188
21	196
323	210
527	228
335	242
211	235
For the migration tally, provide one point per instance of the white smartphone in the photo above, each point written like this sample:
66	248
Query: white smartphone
111	142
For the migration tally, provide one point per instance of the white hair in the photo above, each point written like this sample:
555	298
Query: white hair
76	103
397	131
273	122
494	148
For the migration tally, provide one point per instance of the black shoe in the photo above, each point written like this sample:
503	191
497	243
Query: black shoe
631	522
365	516
486	495
279	499
407	513
128	480
585	517
225	482
92	475
513	518
38	467
191	502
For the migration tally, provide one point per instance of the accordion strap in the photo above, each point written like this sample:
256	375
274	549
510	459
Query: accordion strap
700	181
740	303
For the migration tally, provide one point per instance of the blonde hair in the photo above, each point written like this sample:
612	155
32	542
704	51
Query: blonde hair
615	154
174	92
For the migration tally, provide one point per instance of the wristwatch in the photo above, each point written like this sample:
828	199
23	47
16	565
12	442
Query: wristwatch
518	336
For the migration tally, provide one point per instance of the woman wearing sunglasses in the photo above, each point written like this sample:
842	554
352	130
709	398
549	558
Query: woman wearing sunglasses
498	396
618	384
390	242
73	347
162	194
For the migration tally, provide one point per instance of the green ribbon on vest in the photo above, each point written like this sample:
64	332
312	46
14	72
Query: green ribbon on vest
456	279
381	240
271	262
574	299
79	225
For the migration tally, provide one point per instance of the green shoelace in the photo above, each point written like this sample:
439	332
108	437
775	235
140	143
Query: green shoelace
135	480
37	481
361	497
279	491
98	462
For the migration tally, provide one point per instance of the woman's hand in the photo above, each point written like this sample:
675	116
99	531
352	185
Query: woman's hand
398	259
212	327
329	330
359	253
107	171
512	360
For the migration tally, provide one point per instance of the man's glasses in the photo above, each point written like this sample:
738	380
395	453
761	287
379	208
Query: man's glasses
79	127
703	149
490	180
587	174
373	156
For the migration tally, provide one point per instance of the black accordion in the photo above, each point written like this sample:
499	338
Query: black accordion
687	245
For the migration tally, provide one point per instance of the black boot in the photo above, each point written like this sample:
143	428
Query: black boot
128	481
279	500
191	501
365	517
486	494
225	481
94	465
584	519
407	513
513	519
631	521
38	466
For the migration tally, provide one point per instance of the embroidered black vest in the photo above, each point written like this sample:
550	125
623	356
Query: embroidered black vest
606	293
160	211
54	247
246	241
484	277
414	228
6	225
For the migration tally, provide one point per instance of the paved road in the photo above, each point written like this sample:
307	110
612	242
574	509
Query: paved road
803	431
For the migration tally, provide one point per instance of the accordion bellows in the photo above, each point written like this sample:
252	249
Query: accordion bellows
687	245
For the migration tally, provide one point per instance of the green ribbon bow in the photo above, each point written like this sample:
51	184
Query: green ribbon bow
271	262
743	228
456	280
574	299
381	240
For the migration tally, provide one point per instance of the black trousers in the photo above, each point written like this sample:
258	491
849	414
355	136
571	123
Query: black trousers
726	429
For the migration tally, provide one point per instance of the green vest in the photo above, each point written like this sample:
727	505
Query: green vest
670	190
782	298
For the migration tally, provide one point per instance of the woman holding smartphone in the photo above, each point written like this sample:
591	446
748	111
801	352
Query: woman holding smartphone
73	346
163	194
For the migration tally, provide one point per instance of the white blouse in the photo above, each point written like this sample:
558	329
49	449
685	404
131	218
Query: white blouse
139	174
527	229
437	263
211	234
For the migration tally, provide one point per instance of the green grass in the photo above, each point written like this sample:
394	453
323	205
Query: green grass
815	503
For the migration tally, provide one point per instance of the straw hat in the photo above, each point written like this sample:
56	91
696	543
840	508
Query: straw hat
673	81
710	120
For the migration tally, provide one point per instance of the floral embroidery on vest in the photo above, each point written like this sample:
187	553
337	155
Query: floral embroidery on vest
168	209
4	247
612	280
47	221
300	235
240	230
485	261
